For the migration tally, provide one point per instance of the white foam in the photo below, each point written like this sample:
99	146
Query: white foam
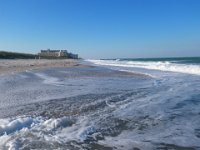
14	126
13	145
123	142
9	126
49	79
77	131
61	130
169	134
162	65
56	123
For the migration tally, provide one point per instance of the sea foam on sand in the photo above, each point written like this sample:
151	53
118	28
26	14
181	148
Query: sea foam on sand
14	131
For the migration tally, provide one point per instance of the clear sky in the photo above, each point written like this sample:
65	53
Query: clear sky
102	28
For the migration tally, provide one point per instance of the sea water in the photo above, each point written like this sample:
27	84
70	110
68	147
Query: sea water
116	104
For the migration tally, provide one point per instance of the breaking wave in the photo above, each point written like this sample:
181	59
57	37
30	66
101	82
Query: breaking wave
171	66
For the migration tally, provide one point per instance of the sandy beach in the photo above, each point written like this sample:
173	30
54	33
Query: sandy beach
78	105
21	65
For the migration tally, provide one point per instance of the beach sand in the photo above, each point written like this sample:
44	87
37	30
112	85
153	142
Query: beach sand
21	65
72	104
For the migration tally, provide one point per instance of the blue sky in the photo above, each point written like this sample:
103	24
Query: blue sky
102	28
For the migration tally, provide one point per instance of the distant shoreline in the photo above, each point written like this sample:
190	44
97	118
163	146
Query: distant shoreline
11	66
16	55
44	54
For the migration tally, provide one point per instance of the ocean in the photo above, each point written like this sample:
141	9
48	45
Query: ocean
113	104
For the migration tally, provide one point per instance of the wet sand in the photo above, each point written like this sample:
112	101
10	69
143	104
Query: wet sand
89	107
21	65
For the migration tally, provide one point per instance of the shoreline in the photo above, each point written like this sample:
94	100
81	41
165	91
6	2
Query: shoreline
12	66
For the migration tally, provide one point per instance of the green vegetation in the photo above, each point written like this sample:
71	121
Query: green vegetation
14	55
